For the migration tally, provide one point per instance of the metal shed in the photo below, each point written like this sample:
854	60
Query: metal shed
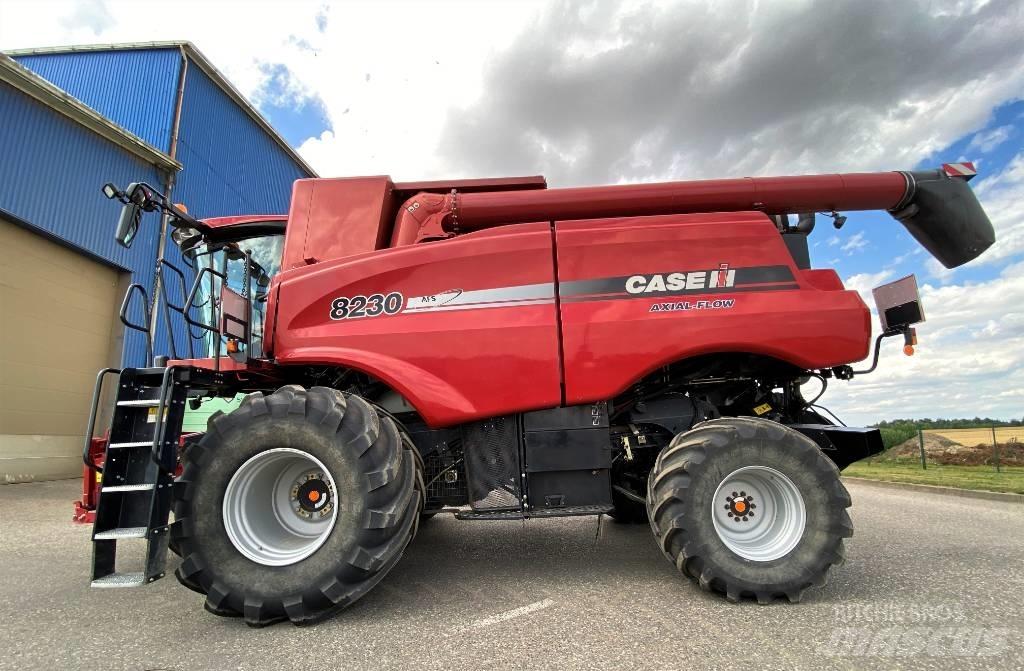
75	118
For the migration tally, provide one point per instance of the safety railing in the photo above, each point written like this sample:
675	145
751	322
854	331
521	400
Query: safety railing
126	304
93	411
228	327
170	306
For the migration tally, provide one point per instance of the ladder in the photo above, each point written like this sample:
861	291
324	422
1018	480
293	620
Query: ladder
138	473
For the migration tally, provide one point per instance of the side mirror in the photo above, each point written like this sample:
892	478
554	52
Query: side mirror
131	214
128	224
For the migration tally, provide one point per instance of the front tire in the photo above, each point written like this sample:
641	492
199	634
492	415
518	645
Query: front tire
294	506
749	508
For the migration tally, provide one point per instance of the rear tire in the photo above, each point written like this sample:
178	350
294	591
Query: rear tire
803	518
357	460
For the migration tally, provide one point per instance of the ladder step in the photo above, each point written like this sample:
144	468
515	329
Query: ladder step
123	532
141	403
120	580
129	488
144	443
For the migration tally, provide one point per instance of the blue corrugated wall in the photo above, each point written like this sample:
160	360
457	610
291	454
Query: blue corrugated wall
135	89
51	171
231	165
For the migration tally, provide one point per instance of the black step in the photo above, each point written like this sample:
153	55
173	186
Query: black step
489	515
120	580
121	532
569	511
138	471
564	511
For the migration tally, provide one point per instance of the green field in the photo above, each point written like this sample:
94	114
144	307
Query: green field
1011	479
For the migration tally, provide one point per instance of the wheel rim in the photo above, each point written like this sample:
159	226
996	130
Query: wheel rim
280	506
759	513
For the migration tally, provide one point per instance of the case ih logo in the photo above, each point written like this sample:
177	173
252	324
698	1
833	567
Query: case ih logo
694	280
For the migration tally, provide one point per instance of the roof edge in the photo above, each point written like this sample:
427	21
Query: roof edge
68	106
208	68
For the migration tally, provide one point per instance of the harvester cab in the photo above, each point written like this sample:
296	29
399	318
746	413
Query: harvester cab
230	262
497	350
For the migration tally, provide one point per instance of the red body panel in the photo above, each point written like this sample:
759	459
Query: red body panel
351	215
223	222
454	358
478	332
610	341
490	184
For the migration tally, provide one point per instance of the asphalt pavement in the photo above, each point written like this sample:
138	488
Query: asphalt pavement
931	581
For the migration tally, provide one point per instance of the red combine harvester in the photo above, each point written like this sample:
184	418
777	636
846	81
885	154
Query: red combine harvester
498	350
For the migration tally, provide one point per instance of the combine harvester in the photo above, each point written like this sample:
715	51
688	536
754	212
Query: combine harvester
498	350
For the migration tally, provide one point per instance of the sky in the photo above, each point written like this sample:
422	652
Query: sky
614	92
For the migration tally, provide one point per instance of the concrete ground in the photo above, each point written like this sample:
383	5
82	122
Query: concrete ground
931	581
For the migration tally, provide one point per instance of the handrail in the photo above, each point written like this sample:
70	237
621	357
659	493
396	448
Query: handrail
216	326
91	427
192	296
216	309
180	309
161	425
125	304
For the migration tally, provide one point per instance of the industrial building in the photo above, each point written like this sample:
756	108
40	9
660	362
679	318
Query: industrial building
73	119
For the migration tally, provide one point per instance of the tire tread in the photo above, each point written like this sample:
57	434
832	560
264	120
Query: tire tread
394	494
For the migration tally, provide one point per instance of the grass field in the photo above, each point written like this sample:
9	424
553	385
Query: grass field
980	436
966	477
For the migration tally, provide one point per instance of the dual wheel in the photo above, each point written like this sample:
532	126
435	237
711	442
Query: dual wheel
748	508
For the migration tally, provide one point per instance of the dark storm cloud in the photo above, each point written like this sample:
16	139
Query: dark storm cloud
596	93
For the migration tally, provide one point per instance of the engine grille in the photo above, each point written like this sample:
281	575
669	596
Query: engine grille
447	481
491	450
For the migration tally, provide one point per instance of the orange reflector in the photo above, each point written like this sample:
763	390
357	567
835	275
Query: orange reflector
908	350
181	206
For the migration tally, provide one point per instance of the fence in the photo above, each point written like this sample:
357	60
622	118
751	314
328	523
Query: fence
994	446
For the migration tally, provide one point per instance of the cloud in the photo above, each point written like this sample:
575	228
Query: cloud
1002	196
865	282
988	140
855	243
938	271
321	19
970	354
594	92
280	87
608	92
91	15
